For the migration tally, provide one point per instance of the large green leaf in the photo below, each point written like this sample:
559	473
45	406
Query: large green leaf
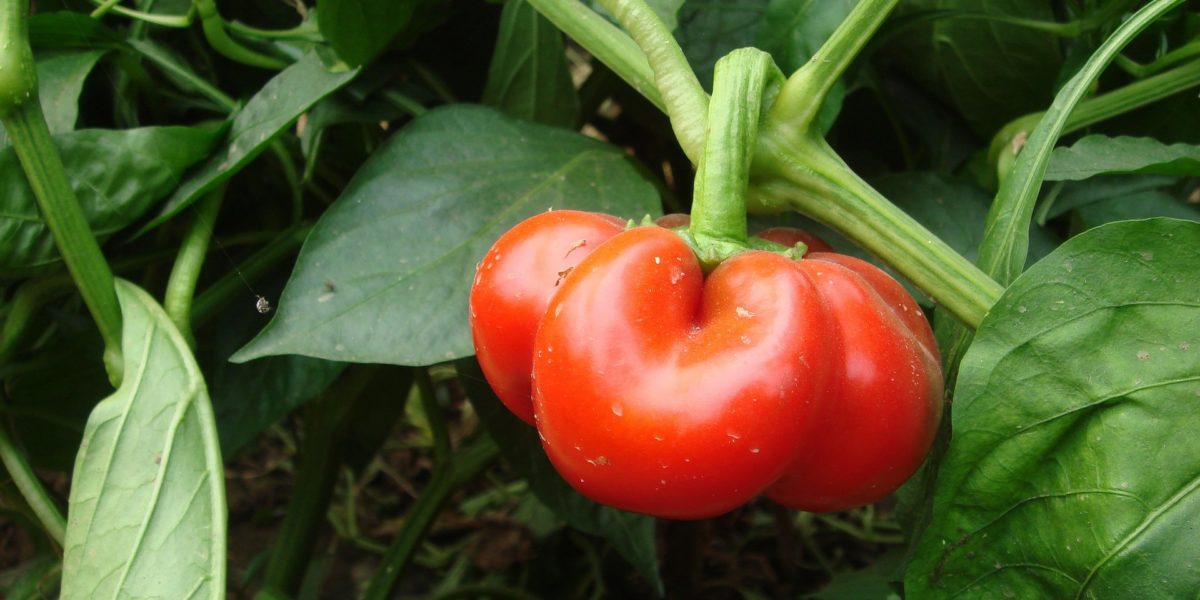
117	175
1101	155
793	30
709	30
147	510
60	80
990	71
360	29
385	274
1074	468
529	77
632	535
249	398
275	107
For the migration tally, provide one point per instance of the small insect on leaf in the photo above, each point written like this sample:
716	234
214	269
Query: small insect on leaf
263	305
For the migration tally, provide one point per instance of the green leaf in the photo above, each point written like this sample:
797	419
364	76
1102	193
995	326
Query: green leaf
529	77
116	174
632	535
1005	246
249	398
990	71
360	29
48	412
385	274
60	80
793	30
1143	205
1074	468
874	582
1102	155
147	510
709	30
271	111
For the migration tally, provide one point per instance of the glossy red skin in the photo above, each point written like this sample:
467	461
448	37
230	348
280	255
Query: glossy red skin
885	398
513	285
660	391
871	399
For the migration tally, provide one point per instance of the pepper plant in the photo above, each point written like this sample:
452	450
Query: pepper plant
240	239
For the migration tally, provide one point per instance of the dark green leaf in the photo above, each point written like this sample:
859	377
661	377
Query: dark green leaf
1143	205
1102	187
793	30
709	30
360	29
1074	468
117	174
70	29
631	535
873	582
385	274
147	512
275	107
249	398
60	79
991	71
529	77
48	411
1100	155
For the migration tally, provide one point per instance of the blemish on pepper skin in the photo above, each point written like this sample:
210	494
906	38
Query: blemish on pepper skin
574	247
744	313
563	275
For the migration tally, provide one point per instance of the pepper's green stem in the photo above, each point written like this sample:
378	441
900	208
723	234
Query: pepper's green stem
743	82
805	91
608	44
21	112
1009	140
181	286
31	488
214	31
685	100
810	178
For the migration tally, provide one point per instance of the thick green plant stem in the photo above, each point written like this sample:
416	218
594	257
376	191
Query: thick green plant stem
810	178
325	428
805	90
1006	236
21	112
462	467
743	82
31	488
608	44
1010	139
181	286
685	100
214	31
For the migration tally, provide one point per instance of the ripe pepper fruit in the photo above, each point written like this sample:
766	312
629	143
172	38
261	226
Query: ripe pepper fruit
663	391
